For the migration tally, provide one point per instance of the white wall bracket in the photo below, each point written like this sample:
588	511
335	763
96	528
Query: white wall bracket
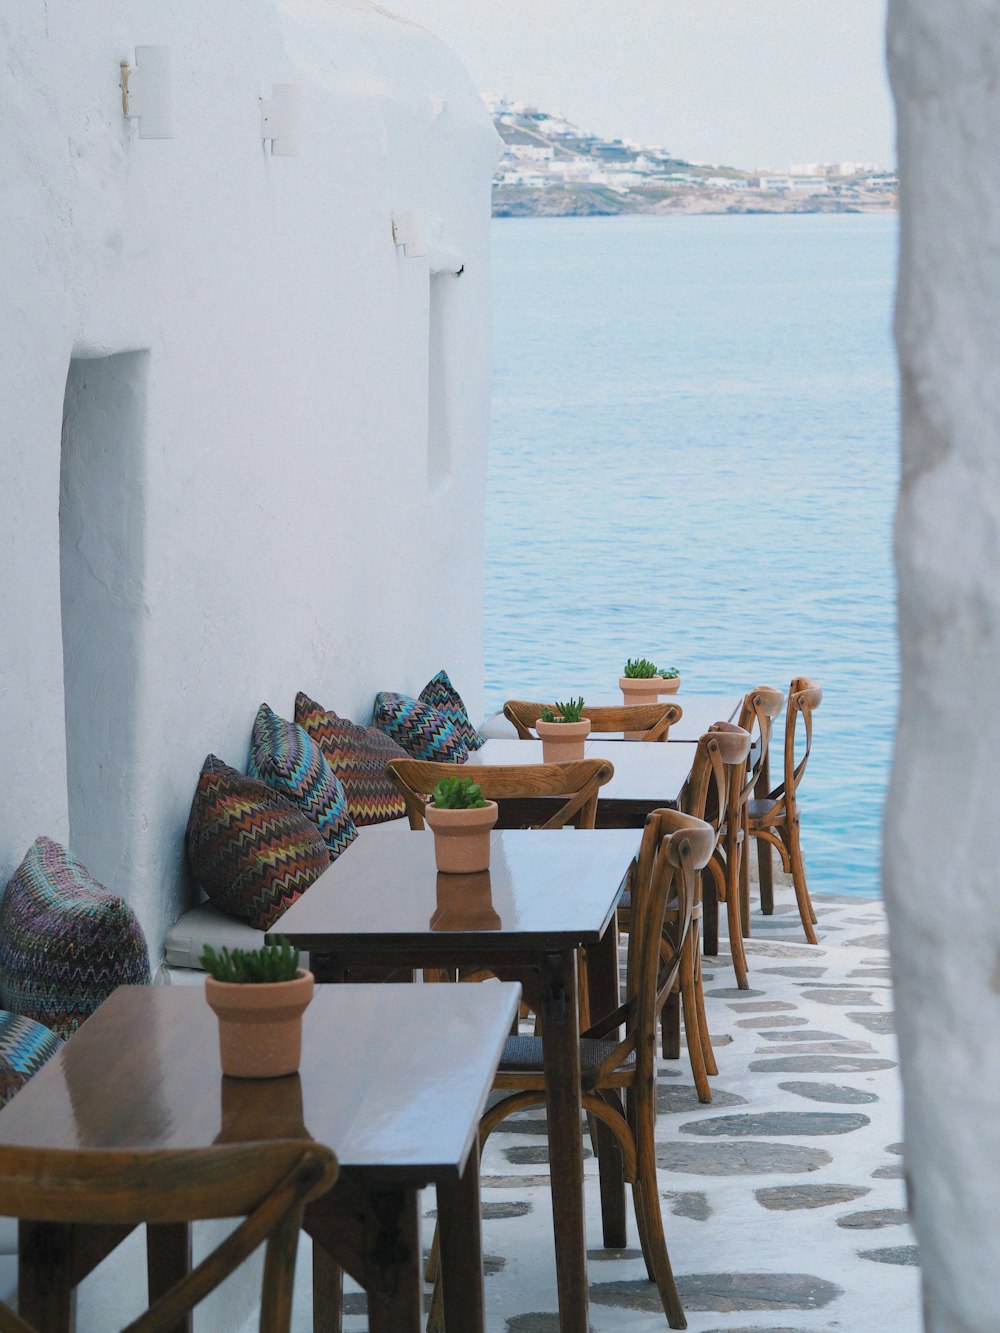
281	120
148	91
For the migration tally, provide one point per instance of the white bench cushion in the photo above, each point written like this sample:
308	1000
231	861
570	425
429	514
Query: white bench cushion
207	925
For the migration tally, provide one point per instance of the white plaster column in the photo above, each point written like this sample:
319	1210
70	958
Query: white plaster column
942	840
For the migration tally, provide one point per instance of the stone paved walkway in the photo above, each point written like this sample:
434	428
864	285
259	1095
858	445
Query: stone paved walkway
783	1200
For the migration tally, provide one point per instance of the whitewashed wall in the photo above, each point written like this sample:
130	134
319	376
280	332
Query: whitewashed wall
259	514
943	830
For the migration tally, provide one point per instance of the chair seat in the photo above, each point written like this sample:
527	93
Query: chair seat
760	808
525	1053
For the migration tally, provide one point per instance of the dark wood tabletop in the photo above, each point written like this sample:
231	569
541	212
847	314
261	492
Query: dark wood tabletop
393	1079
645	776
385	890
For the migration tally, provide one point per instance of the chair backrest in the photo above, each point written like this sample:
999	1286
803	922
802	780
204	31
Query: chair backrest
580	782
804	697
707	791
673	849
653	720
760	707
268	1184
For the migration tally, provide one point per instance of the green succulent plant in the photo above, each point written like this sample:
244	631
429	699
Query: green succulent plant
458	794
277	961
640	668
571	711
668	673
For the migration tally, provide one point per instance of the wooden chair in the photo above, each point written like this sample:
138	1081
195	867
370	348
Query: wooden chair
618	1053
646	722
773	815
759	707
266	1183
705	796
579	782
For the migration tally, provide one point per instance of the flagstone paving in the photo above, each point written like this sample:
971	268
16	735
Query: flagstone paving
772	1211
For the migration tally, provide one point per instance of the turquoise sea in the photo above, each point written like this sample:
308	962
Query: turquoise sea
694	458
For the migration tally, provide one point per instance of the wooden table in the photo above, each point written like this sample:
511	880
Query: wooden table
545	895
646	776
699	712
394	1080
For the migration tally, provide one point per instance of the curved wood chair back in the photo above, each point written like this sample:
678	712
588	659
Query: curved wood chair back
268	1184
580	782
804	697
718	752
757	713
646	722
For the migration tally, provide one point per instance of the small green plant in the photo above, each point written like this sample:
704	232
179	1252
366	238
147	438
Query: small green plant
640	668
571	711
272	962
458	794
668	673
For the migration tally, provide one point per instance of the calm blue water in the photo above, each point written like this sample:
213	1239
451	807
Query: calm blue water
694	458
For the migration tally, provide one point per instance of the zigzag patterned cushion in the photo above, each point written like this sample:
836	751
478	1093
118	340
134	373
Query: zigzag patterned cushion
66	942
358	756
289	760
24	1047
442	695
250	849
422	731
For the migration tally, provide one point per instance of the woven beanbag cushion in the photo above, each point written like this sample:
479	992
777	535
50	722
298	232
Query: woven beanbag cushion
66	942
289	760
358	756
250	849
422	731
439	693
24	1047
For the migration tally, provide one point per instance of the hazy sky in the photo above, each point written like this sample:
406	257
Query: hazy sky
746	83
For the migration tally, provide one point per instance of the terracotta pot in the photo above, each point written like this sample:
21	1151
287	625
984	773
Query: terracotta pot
260	1024
562	742
462	837
647	691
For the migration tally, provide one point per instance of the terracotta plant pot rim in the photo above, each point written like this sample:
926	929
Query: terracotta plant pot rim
649	684
563	730
445	820
243	997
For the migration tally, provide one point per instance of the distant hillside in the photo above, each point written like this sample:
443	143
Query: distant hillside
551	168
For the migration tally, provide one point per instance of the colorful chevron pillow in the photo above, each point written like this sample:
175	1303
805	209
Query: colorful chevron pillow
289	760
358	756
250	848
24	1047
439	693
66	942
422	731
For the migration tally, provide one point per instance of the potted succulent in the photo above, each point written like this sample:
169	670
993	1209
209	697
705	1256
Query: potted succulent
462	822
643	683
563	731
259	997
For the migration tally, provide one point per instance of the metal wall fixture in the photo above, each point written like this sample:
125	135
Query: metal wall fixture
281	120
408	230
148	92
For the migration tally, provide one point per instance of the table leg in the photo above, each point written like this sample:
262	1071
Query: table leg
764	861
561	1057
602	983
327	1292
45	1294
394	1292
168	1260
462	1250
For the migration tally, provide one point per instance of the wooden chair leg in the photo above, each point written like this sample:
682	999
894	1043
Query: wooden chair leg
765	872
650	1220
734	917
696	1054
670	1027
707	1050
744	875
709	913
806	913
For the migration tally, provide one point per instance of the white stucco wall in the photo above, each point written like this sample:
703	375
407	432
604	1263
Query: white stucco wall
943	832
292	534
